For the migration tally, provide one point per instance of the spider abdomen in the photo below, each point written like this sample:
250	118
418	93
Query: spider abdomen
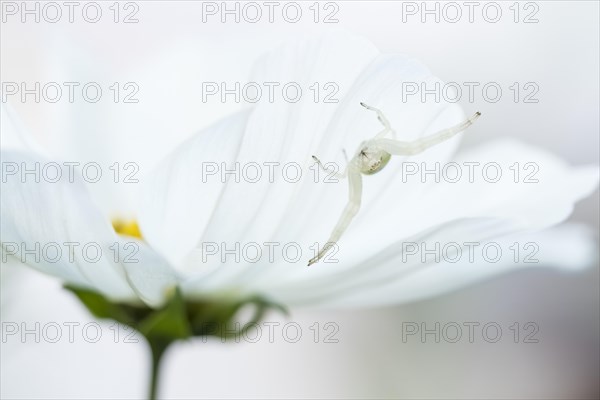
373	161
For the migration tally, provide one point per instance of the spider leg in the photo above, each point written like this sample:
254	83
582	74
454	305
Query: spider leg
384	121
383	134
337	175
351	209
397	147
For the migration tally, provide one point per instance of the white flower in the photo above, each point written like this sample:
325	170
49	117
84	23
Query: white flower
178	212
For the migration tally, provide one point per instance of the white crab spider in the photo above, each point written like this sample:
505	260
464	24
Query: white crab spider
371	157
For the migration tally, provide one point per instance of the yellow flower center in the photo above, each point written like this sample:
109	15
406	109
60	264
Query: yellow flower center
127	227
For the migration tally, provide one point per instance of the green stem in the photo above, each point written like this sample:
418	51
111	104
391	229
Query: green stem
158	348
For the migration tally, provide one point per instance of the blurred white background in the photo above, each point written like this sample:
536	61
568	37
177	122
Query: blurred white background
169	53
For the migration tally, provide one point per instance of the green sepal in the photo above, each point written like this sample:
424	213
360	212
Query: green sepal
216	318
169	322
102	308
178	318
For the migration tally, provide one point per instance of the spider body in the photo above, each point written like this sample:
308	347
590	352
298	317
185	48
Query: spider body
372	160
372	156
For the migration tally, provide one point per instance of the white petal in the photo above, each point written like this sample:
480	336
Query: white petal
533	205
516	206
305	212
176	204
284	132
567	247
181	212
150	275
527	205
45	213
389	264
14	136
